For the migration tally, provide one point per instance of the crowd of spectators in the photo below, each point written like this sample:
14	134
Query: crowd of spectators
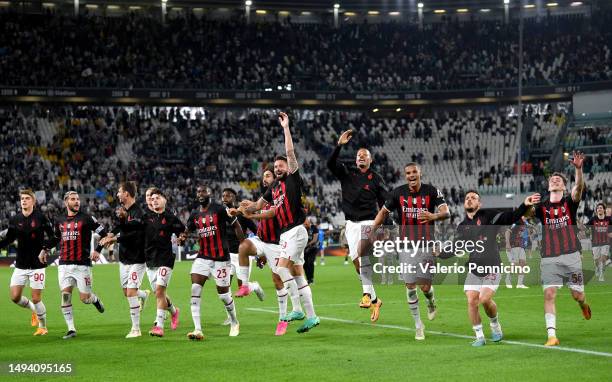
136	51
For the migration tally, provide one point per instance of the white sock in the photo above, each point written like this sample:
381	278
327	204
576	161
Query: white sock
161	316
171	308
305	295
25	303
230	308
41	313
478	331
243	274
551	324
508	279
494	323
196	291
281	295
290	284
134	312
521	279
413	304
252	286
141	294
67	310
91	299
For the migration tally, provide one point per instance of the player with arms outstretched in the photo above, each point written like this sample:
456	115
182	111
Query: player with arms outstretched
73	232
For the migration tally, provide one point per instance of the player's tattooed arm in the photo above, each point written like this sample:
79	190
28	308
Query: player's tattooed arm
283	118
577	161
249	206
426	216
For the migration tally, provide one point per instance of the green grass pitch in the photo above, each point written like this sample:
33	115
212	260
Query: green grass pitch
344	347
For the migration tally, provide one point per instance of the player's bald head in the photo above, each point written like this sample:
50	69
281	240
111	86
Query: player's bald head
363	159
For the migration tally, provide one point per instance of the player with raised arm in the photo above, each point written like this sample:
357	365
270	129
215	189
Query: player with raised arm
517	239
129	233
417	206
160	225
601	232
560	245
265	245
73	232
213	261
29	228
363	192
481	227
286	196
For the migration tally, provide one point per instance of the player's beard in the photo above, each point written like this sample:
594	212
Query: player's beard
471	209
204	202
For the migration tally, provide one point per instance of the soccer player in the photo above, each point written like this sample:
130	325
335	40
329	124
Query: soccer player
29	228
73	232
517	237
286	196
482	226
600	238
229	200
213	261
560	245
266	244
363	192
159	227
129	233
415	205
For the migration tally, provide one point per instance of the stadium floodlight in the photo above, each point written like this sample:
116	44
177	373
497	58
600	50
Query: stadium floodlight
439	11
394	13
462	10
576	4
485	10
398	109
529	6
552	4
506	2
420	5
375	110
336	6
248	3
164	1
373	13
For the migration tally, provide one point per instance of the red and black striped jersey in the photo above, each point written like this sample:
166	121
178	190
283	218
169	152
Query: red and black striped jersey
600	228
517	234
407	205
211	225
74	236
286	196
30	235
558	227
268	230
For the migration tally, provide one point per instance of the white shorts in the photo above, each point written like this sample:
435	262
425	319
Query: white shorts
34	277
565	267
515	254
292	244
219	270
476	283
601	251
421	265
71	275
354	232
159	276
271	251
131	275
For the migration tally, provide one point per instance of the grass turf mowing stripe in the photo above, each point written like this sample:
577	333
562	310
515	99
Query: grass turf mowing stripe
455	335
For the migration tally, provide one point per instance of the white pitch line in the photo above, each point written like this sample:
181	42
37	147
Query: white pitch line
456	299
455	335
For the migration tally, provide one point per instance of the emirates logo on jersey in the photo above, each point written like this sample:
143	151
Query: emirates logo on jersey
207	231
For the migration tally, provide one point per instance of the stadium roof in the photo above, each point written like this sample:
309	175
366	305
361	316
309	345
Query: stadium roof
347	5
